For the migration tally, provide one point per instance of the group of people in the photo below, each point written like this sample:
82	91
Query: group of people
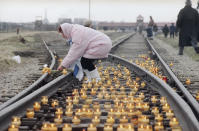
89	45
187	24
172	30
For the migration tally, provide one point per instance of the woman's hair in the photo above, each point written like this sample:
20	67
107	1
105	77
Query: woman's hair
60	29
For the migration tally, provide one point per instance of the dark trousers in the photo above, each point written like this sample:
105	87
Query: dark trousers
193	43
87	63
172	35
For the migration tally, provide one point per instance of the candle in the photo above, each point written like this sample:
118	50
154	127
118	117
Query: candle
89	84
67	127
107	105
176	128
30	113
154	99
93	92
188	81
141	127
145	106
45	127
138	105
44	100
16	121
121	128
52	127
64	72
76	120
173	122
97	112
89	113
59	111
84	96
129	127
78	113
91	127
124	120
107	96
148	128
163	100
118	113
100	96
110	120
169	114
13	128
69	112
108	128
96	120
58	119
111	112
54	103
89	100
69	105
197	96
155	110
69	99
86	106
76	100
143	119
143	84
166	107
158	117
159	126
96	105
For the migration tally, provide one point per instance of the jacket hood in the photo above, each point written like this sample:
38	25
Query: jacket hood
67	30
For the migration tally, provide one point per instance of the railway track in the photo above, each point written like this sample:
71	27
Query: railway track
186	84
120	79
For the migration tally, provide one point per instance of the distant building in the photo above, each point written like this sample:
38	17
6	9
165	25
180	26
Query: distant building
64	20
116	26
80	21
140	19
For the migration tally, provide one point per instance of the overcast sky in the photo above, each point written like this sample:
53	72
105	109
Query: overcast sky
102	10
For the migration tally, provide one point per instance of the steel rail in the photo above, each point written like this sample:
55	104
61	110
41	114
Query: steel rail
175	81
181	109
32	87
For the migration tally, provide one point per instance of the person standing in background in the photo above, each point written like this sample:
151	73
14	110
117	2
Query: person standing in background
172	29
187	23
165	30
150	28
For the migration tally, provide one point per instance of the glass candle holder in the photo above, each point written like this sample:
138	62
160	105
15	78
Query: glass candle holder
91	127
44	100
13	127
96	120
174	122
58	120
59	111
54	103
67	127
69	112
108	128
76	120
110	120
30	113
16	121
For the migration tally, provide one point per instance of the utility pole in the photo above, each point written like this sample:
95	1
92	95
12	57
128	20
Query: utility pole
89	17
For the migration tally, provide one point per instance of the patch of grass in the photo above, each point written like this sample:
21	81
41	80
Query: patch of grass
189	50
10	44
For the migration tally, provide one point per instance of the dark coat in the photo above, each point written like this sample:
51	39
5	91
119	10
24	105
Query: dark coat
172	29
165	30
187	23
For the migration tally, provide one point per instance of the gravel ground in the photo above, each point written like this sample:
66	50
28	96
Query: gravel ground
184	66
18	74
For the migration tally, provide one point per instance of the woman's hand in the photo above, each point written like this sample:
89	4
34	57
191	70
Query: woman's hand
60	68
